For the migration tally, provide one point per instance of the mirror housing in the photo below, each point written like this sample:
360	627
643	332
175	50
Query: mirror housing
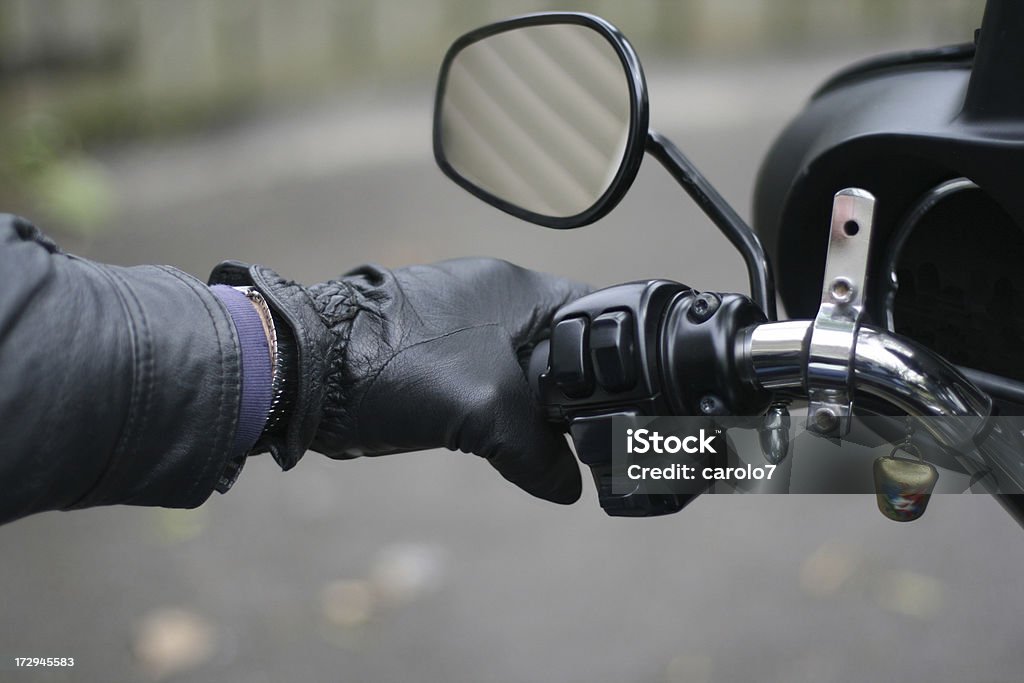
518	123
530	140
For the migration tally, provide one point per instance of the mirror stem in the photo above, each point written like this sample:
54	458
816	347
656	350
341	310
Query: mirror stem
742	236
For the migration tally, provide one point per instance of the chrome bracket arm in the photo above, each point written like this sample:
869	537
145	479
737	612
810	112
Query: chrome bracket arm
833	340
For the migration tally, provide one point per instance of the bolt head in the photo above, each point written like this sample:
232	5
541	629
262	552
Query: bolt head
825	419
703	307
841	290
711	405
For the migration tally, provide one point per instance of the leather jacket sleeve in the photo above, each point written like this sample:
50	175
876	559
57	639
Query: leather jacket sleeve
117	385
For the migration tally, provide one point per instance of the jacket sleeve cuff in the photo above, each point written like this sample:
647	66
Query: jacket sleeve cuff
186	379
119	385
257	378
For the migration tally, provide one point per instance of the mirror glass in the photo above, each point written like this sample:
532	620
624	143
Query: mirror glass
538	117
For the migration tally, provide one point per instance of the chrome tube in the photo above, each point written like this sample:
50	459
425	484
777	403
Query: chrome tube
912	379
886	366
775	354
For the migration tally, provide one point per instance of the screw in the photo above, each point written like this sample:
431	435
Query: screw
825	419
712	405
703	307
842	290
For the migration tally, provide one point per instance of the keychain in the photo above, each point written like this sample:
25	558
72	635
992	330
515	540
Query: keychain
903	487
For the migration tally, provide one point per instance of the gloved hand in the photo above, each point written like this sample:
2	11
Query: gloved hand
422	357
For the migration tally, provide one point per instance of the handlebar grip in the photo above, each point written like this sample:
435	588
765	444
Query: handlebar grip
641	349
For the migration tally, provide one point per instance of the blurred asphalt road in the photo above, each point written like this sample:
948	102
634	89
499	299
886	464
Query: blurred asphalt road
429	567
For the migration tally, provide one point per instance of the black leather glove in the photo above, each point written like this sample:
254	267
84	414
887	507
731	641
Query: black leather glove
422	357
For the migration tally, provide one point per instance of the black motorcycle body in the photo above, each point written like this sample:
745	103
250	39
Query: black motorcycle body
900	127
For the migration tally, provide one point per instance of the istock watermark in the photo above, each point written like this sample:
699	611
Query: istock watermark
700	454
647	441
692	473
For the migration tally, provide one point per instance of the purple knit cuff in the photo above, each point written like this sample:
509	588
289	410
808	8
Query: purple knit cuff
257	374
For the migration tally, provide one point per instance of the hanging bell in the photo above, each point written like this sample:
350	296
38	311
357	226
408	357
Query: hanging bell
903	487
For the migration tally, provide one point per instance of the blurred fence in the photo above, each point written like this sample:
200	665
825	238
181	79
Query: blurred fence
153	54
77	72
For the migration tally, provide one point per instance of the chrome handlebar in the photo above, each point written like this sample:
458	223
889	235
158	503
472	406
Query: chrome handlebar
884	365
909	377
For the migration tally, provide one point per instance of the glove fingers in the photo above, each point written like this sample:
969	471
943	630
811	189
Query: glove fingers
531	453
549	472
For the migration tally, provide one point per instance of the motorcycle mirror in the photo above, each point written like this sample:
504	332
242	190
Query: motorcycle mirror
543	116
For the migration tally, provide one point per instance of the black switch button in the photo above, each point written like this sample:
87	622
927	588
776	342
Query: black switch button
611	343
593	437
570	364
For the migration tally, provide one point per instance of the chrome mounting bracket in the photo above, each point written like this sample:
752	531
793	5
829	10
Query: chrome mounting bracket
834	331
